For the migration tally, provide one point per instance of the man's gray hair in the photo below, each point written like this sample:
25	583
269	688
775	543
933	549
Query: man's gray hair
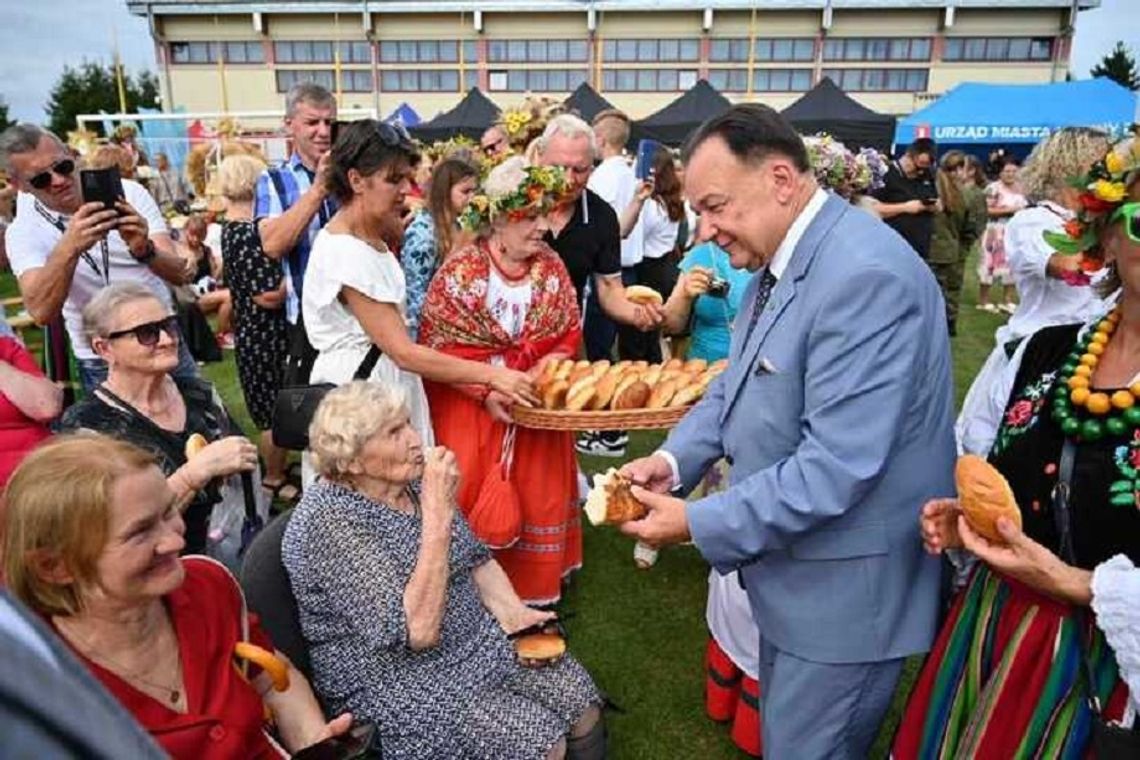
307	92
570	126
22	138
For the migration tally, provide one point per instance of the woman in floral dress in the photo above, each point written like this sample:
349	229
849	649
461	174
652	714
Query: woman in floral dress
507	300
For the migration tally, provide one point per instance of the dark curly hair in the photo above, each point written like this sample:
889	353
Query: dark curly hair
369	146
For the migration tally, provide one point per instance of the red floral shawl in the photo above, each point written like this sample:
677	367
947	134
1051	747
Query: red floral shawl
456	319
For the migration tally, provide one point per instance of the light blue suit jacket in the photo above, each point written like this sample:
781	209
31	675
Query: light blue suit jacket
837	420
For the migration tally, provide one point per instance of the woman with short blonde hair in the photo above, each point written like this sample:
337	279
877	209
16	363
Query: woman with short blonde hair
92	536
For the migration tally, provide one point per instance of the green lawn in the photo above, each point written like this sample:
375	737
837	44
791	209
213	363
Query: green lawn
642	633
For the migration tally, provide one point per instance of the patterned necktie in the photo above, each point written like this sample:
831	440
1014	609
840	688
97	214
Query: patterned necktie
767	282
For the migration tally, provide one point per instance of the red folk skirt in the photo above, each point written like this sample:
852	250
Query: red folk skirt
544	473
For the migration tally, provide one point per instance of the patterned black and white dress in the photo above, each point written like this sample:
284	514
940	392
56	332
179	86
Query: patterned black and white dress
349	560
259	334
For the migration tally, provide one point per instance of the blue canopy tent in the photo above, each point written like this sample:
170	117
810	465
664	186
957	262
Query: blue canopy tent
976	116
405	115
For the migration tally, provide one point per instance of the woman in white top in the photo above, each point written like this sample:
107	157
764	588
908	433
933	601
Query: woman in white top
1046	298
354	294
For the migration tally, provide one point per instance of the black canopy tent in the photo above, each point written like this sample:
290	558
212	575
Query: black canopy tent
826	108
470	117
586	102
673	123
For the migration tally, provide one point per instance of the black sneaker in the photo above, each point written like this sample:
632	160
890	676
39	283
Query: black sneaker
605	444
585	442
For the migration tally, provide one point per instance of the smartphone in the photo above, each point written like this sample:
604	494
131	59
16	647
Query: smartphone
646	152
354	744
929	201
101	186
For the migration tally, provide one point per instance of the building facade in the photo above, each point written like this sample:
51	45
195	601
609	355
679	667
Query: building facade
892	55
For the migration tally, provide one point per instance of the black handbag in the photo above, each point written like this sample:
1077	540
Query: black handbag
1109	740
295	407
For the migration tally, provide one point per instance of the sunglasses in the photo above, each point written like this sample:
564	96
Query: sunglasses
62	168
147	334
392	135
1130	213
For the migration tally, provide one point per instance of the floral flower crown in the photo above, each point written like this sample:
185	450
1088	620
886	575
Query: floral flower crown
460	145
842	171
515	190
527	120
1103	190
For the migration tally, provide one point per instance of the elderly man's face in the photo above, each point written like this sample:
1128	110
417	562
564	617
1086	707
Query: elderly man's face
40	172
745	207
574	155
394	455
310	126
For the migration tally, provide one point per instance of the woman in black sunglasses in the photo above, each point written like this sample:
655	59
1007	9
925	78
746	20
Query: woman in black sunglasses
354	293
140	402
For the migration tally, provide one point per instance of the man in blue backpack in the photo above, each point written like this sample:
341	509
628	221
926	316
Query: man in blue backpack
293	206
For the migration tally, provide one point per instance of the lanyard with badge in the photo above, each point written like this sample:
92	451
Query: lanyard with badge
105	273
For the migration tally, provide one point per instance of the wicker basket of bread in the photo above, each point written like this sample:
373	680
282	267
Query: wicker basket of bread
582	395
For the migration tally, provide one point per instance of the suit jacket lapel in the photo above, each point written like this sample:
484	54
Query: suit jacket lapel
746	355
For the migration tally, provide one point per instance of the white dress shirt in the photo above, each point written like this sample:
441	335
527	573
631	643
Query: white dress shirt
615	183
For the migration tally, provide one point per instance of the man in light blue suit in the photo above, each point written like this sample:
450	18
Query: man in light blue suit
836	416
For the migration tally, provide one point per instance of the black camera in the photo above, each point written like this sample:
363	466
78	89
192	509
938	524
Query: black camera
718	288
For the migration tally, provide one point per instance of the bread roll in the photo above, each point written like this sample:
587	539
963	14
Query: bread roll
643	296
605	390
540	646
582	364
565	367
984	495
554	397
674	364
695	365
662	394
194	444
652	375
578	373
599	368
624	364
720	365
688	394
580	394
632	396
611	500
640	365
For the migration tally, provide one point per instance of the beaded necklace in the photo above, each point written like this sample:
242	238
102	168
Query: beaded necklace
1087	415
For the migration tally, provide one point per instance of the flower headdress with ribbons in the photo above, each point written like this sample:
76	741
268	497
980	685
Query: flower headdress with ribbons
515	190
839	169
1102	190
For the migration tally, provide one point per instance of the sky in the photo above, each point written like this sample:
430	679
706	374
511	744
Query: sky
39	37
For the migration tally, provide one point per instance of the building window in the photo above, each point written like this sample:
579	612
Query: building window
536	80
781	80
427	51
320	51
877	49
356	80
537	51
470	79
998	49
729	80
668	50
648	80
193	52
781	50
879	80
420	80
286	78
725	51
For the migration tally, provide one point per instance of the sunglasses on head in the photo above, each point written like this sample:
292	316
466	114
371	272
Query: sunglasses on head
63	168
147	334
392	135
1130	213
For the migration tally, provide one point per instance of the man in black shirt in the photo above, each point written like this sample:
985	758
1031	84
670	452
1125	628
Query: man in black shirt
909	198
585	232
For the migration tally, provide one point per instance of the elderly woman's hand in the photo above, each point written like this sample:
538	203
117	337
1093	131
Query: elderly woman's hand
440	482
939	525
1027	561
222	457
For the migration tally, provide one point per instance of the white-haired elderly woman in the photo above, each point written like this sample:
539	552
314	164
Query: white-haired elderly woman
405	613
142	403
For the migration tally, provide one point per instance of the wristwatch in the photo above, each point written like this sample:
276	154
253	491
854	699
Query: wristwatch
148	254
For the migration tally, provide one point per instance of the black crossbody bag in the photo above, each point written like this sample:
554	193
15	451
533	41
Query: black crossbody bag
1109	741
295	407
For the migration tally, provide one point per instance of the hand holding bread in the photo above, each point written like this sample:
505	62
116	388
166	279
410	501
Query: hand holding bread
984	496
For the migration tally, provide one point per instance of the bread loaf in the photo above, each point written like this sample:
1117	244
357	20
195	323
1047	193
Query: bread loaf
632	396
194	444
984	495
604	392
540	646
580	394
554	395
688	394
611	500
662	394
643	296
695	365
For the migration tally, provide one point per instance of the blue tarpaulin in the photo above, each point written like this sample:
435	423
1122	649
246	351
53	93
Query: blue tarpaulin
987	114
405	115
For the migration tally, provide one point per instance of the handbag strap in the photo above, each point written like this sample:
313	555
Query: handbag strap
508	456
1062	519
364	371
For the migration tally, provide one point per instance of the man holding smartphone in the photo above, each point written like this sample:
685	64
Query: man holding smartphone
64	250
292	205
908	199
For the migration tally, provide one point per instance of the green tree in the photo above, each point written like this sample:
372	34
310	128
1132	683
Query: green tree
5	122
91	88
1119	66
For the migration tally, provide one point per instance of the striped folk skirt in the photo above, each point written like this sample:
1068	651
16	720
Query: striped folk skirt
1005	680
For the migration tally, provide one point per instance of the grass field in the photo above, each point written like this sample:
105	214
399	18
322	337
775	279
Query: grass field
642	633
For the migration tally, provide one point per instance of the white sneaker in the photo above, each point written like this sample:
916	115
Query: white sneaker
644	556
991	308
1009	307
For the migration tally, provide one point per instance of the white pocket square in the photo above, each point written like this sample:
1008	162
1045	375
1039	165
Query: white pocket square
766	367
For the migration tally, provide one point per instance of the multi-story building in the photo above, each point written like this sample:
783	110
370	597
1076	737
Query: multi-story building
892	55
